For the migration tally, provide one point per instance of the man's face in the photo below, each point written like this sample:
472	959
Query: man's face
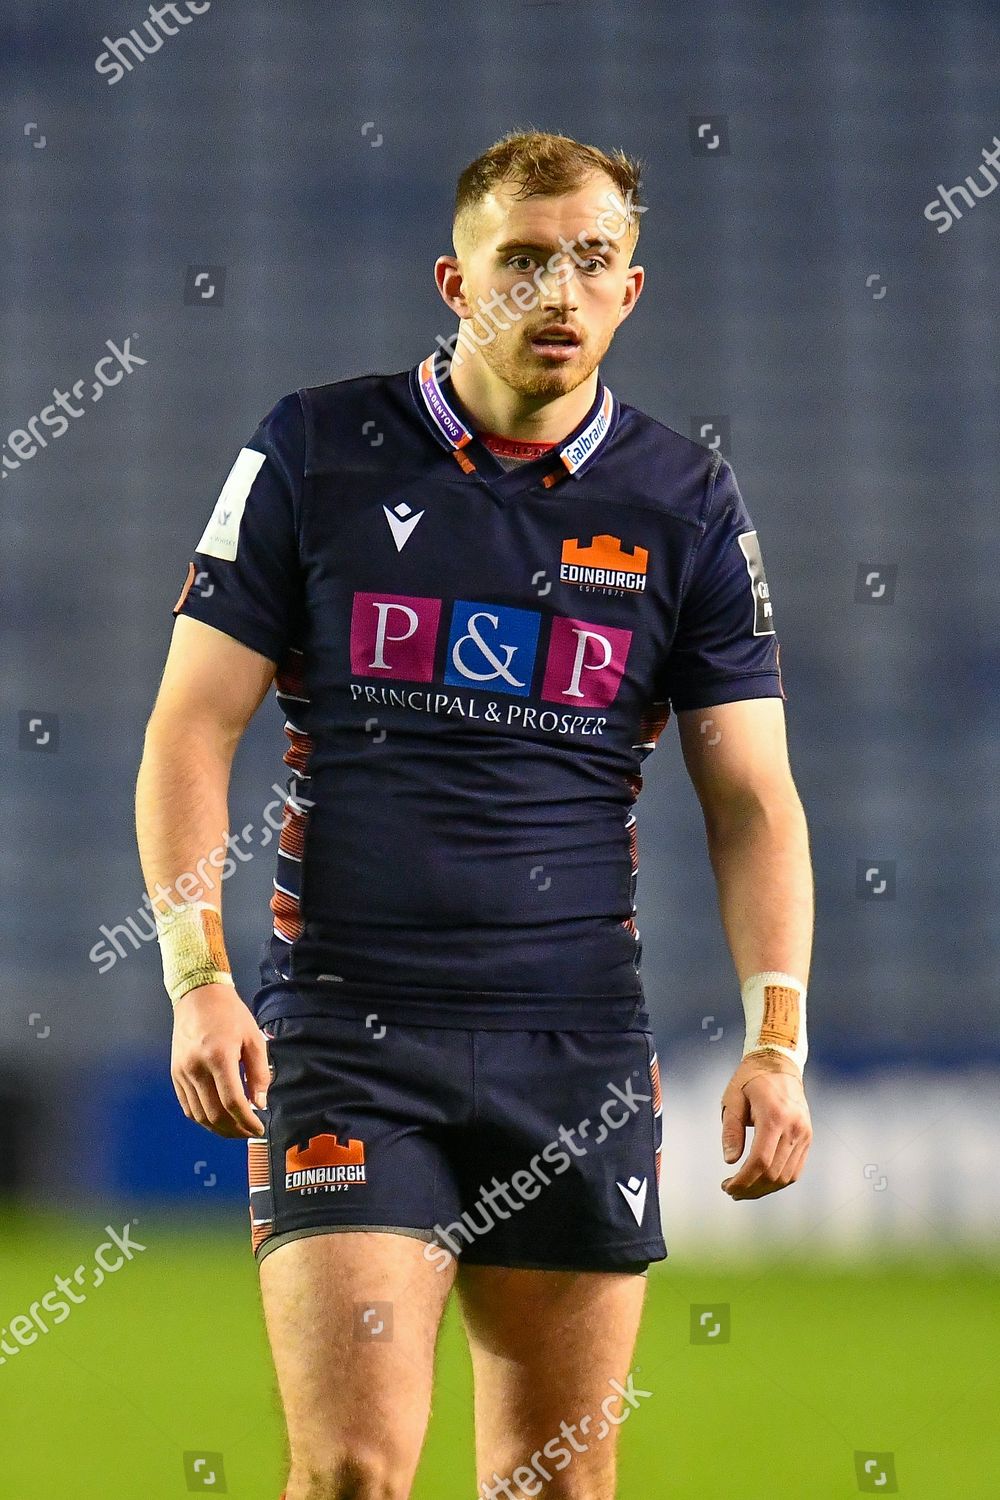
515	243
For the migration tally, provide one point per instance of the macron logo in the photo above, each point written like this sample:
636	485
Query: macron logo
402	520
634	1193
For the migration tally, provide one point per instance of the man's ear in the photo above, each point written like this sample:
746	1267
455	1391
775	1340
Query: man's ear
635	280
449	280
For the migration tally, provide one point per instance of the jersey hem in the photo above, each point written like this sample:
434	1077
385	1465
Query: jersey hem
468	1012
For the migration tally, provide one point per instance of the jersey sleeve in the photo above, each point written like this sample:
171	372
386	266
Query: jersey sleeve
244	577
725	647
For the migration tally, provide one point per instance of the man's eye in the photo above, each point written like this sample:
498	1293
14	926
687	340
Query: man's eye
597	263
527	258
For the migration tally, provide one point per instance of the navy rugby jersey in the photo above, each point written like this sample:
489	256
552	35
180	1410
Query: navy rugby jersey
473	662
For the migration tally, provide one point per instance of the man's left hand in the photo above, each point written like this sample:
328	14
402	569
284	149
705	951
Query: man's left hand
765	1092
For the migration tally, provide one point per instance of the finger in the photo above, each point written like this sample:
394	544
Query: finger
200	1082
797	1160
777	1178
787	1147
205	1105
798	1134
256	1068
182	1098
734	1129
238	1113
193	1107
760	1189
765	1140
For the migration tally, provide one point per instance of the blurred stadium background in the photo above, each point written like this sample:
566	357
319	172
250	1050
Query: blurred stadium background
801	311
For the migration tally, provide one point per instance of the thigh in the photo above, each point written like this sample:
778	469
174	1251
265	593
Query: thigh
352	1319
551	1354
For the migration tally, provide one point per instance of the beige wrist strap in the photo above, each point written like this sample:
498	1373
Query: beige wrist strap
192	948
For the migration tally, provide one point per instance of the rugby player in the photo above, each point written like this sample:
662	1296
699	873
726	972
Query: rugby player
480	587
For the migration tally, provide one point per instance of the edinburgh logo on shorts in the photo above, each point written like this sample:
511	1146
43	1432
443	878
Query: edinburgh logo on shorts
324	1165
603	565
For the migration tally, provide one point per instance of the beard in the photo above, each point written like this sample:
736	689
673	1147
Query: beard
512	360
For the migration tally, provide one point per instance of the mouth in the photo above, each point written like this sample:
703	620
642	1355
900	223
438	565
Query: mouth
558	341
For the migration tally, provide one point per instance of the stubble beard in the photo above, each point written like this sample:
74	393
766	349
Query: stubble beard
514	362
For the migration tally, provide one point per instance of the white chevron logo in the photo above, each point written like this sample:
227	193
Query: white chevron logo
402	519
634	1193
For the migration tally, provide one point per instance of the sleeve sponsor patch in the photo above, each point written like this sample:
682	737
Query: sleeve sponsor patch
222	534
763	613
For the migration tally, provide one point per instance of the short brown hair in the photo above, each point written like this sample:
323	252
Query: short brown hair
543	164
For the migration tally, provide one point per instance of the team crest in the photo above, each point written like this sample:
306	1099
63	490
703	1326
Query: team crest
603	565
324	1165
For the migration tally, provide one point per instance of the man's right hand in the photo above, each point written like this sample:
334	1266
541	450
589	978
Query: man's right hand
213	1033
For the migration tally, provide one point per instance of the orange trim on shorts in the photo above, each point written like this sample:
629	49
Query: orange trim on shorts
654	1073
189	580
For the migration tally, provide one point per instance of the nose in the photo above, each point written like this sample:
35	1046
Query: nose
557	291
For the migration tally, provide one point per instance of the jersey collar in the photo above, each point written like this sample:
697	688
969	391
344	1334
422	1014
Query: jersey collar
430	388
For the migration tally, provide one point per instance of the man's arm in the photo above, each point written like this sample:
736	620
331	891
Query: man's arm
737	757
212	685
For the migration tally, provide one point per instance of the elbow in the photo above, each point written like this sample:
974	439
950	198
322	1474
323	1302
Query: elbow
777	809
171	738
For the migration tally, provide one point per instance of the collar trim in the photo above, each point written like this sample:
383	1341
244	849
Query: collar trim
575	455
453	432
508	447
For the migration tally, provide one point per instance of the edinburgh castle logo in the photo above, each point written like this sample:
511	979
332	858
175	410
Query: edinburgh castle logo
324	1165
603	565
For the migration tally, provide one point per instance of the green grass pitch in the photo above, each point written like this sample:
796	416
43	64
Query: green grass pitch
168	1356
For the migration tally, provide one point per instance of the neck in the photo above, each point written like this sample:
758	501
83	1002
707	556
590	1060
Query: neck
497	407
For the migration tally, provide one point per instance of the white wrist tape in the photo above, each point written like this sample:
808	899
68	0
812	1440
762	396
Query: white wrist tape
775	1007
192	948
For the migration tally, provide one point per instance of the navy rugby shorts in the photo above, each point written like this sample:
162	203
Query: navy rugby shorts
537	1149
